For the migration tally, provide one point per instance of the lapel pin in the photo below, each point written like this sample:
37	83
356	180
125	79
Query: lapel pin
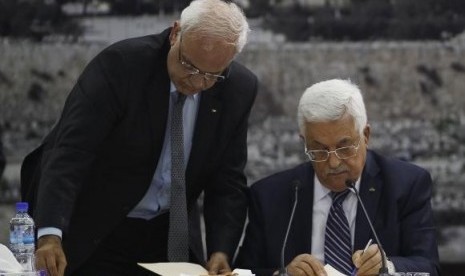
372	189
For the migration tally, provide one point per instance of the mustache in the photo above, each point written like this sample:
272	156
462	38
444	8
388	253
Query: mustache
337	170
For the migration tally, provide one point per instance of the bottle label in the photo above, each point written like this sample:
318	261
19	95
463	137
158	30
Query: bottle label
22	234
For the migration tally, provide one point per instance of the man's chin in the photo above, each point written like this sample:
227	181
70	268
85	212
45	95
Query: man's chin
187	91
338	187
337	183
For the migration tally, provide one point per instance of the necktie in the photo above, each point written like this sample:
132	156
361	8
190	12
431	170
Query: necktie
178	234
338	246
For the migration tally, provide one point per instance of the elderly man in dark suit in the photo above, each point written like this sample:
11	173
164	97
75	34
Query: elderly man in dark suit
105	193
329	226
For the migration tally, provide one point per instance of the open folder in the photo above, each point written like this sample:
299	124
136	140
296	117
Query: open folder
175	269
185	269
190	269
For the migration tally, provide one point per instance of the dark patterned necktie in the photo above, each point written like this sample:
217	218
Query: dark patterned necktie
178	235
338	246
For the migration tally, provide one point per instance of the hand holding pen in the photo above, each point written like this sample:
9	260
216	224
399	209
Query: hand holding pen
357	257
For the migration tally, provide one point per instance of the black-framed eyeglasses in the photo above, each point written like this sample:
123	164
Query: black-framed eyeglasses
194	71
341	153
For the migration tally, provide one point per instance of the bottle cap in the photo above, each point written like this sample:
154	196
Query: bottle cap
22	206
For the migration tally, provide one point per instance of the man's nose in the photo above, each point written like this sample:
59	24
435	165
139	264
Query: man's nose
333	160
198	82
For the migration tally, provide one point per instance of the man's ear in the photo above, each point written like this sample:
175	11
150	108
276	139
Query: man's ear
175	31
366	133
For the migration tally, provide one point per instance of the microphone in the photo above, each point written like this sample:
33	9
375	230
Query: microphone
383	271
282	269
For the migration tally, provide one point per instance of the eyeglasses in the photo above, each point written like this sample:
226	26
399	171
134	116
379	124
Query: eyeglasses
194	71
341	153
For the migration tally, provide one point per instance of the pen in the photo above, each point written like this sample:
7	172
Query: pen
364	249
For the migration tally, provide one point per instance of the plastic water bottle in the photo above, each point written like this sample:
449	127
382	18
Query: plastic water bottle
22	237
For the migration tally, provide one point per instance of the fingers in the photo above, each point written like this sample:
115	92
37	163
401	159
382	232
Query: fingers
369	262
218	264
62	263
306	264
50	256
356	258
51	265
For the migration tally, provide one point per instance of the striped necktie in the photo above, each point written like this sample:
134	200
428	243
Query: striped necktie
178	233
338	246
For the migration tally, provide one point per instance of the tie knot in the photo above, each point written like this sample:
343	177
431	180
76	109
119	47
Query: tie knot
338	197
180	98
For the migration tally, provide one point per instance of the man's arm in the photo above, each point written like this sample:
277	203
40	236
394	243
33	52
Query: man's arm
89	114
419	249
225	203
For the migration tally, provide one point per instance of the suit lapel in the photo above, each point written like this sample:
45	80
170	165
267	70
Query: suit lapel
370	192
158	94
207	120
303	227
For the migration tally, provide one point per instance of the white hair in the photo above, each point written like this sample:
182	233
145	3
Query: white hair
329	101
217	18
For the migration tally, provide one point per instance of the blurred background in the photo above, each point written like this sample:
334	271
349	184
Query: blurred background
408	57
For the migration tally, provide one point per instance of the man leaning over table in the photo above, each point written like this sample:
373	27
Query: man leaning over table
108	166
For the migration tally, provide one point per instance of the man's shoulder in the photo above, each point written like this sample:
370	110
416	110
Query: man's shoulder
237	67
389	165
139	46
240	79
240	88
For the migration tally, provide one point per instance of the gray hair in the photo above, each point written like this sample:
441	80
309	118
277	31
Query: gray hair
217	18
329	101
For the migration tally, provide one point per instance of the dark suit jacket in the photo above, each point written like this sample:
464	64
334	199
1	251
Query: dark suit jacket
99	160
396	195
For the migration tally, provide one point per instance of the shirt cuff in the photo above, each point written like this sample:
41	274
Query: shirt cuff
49	231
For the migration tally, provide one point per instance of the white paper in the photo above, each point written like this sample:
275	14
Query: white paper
175	269
242	272
8	262
186	269
331	271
